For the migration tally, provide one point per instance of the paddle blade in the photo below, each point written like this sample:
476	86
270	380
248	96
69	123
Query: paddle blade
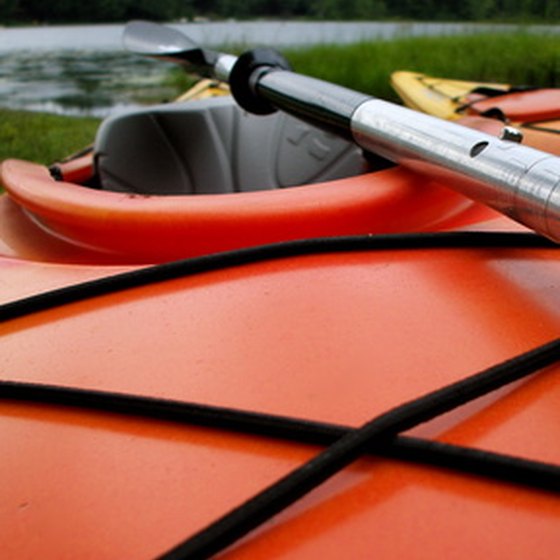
159	41
151	39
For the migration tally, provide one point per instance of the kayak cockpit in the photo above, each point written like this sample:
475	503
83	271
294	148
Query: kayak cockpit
148	165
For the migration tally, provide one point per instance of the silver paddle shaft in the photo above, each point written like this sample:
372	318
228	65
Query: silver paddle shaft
223	66
519	181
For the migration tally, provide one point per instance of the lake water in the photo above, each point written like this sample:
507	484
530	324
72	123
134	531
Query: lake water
84	69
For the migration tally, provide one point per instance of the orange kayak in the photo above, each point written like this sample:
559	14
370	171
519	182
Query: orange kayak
176	361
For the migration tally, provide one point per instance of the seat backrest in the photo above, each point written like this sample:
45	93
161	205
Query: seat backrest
213	146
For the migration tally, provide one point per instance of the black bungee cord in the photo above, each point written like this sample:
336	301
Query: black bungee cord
254	512
153	274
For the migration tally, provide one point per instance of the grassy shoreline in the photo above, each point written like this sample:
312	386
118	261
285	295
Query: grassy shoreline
519	58
43	137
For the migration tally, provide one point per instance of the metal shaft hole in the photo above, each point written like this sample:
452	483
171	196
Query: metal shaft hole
478	148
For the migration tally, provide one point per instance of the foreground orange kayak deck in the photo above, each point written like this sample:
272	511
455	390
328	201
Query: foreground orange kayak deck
141	402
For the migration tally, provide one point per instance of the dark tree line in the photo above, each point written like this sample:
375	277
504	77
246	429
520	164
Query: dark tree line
165	10
52	11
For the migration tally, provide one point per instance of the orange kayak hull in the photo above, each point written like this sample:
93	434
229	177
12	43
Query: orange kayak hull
337	338
333	334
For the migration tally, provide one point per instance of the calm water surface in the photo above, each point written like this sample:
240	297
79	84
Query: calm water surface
84	69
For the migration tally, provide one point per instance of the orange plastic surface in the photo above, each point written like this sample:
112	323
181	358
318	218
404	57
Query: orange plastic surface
544	135
139	228
534	105
539	124
77	170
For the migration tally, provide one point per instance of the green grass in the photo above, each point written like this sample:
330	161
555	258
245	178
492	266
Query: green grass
519	58
42	137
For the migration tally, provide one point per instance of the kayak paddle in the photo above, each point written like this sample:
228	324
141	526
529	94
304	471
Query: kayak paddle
521	182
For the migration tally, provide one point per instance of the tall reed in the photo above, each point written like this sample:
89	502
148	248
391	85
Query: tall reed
518	58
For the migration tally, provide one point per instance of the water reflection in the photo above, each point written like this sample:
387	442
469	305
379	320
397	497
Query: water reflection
80	82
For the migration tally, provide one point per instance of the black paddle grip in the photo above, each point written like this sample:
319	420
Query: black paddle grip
261	82
244	73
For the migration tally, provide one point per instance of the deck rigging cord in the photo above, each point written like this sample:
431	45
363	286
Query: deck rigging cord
502	467
254	512
219	261
379	436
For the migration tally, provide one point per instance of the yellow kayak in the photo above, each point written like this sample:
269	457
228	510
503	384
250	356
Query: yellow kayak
440	97
204	89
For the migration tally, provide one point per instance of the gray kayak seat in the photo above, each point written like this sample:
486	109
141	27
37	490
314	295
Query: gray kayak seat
213	146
